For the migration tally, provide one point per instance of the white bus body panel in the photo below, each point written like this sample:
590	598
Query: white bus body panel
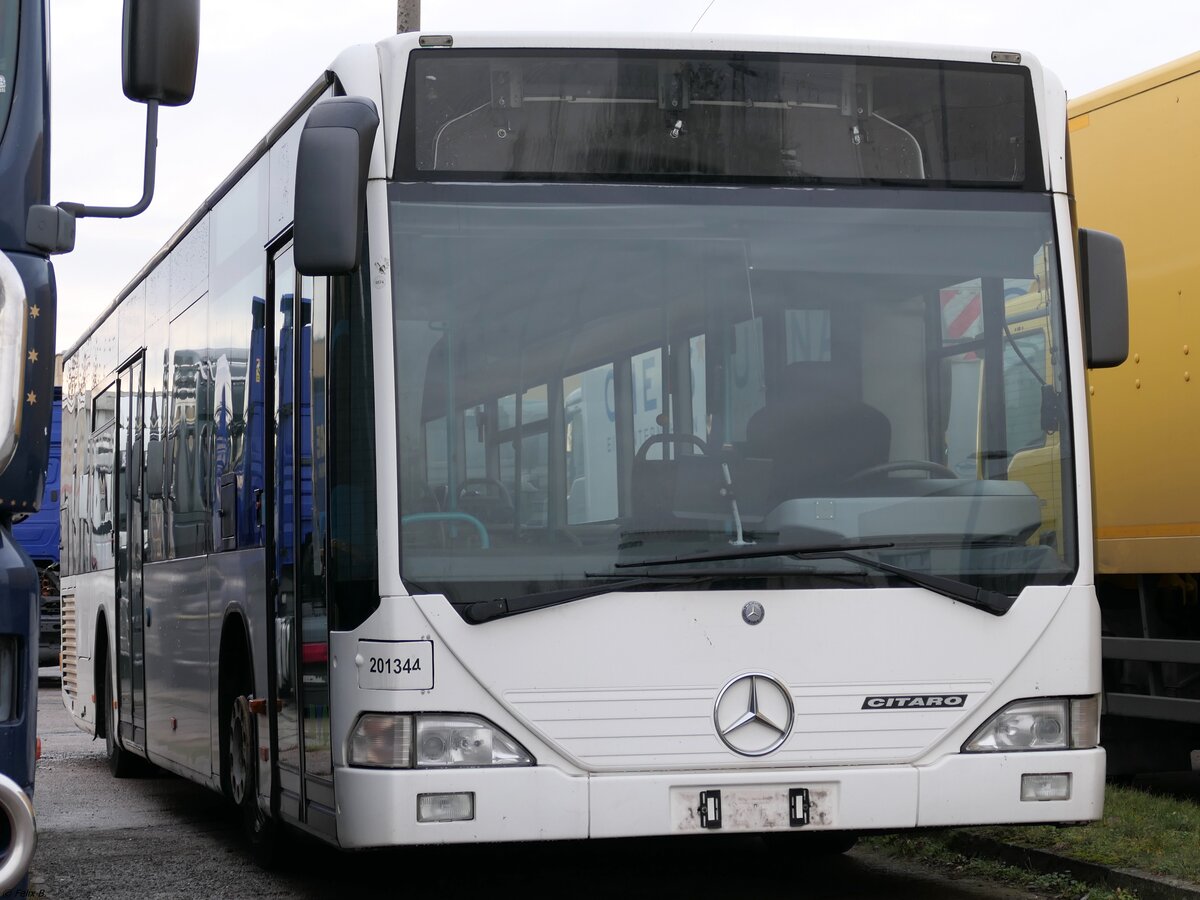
93	600
613	695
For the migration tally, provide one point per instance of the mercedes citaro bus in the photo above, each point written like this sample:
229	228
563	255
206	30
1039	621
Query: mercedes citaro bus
547	437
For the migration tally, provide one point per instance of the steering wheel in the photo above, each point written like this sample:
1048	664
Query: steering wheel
493	488
669	438
452	517
905	465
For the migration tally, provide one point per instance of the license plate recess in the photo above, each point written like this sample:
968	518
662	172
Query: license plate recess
760	807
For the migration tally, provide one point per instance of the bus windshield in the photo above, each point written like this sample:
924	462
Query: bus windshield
9	10
593	375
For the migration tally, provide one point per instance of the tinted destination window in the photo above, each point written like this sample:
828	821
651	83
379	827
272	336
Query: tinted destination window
712	118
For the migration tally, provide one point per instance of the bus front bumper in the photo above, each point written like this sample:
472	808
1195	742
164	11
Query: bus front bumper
379	808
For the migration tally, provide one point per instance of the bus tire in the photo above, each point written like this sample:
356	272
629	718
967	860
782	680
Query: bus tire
121	762
262	831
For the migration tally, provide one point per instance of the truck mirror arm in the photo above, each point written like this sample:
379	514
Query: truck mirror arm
52	228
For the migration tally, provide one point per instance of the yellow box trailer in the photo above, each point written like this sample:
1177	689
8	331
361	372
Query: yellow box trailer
1135	155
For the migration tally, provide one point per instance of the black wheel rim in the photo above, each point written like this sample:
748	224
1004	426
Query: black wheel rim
239	748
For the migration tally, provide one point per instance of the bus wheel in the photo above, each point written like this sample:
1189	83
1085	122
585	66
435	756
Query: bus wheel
261	829
121	762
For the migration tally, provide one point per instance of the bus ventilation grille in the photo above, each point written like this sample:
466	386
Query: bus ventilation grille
70	646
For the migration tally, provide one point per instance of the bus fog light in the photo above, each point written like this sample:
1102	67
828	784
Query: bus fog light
445	807
381	741
1024	725
1046	787
465	741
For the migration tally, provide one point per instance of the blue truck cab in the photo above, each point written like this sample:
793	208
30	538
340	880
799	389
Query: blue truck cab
38	534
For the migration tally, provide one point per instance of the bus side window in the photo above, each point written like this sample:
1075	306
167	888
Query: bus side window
189	425
808	335
1022	389
591	445
960	376
101	499
745	380
353	519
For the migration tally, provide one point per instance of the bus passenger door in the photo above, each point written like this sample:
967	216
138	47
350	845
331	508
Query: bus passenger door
300	626
130	538
311	355
285	544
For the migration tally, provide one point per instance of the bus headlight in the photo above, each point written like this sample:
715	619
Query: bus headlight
1056	723
434	741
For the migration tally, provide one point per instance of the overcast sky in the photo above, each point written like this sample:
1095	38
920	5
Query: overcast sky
258	56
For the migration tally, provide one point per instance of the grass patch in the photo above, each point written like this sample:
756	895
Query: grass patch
1139	831
929	851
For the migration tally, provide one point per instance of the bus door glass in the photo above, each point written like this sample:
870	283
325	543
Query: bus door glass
101	500
286	505
130	634
312	577
300	525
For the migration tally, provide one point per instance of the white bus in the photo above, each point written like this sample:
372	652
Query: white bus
546	437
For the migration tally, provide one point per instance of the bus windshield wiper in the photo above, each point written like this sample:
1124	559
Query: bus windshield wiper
989	601
757	551
486	610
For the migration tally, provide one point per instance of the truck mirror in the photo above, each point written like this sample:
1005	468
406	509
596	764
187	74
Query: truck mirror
331	185
50	228
1105	298
160	41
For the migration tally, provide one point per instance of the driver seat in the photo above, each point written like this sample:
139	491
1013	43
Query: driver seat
679	492
817	433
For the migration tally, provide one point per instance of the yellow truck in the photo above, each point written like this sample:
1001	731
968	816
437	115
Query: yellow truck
1133	150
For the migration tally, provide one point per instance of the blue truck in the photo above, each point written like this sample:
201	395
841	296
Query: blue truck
38	534
27	314
158	69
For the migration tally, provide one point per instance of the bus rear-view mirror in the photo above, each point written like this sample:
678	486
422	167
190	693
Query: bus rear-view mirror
331	185
1105	296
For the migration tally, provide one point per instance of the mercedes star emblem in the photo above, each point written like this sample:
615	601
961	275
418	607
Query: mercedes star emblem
753	612
753	714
